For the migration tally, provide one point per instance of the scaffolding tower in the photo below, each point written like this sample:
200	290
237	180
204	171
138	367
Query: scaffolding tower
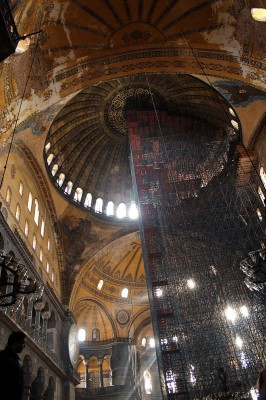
200	216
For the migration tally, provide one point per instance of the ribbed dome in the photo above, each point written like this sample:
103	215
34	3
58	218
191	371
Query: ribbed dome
87	148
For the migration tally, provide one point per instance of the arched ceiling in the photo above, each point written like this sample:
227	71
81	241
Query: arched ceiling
115	44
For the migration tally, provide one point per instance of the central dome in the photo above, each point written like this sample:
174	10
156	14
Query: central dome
87	146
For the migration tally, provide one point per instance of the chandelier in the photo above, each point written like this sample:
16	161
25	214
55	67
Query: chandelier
16	282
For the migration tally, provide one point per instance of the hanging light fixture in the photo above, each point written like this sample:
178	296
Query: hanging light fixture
16	282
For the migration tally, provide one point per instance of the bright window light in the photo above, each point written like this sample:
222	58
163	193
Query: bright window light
143	342
78	194
235	124
98	205
191	283
49	159
230	314
68	188
259	14
100	284
121	211
88	200
231	111
152	343
81	335
21	188
239	342
158	292
54	169
61	179
147	382
192	375
124	293
244	311
47	147
110	208
133	211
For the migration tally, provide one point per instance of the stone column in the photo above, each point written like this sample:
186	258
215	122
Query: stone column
29	311
85	363
100	366
38	308
45	315
121	364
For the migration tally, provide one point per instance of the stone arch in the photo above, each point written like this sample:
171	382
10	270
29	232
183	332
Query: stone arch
37	387
50	390
27	375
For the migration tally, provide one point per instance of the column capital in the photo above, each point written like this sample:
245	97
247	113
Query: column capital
38	306
46	314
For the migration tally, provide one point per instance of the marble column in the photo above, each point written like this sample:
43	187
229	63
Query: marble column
100	366
45	315
38	308
85	363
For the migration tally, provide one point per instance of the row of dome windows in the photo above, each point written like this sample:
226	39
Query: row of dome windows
120	212
124	291
26	226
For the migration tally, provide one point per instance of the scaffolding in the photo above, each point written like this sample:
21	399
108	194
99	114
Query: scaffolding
200	207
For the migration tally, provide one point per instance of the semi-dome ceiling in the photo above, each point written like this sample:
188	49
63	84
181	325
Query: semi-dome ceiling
87	147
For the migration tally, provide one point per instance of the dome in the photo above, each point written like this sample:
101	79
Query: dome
87	146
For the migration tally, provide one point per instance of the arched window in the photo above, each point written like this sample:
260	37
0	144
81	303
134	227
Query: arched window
88	200
42	227
69	187
60	179
54	169
263	176
235	124
121	211
95	335
30	202
50	159
147	382
143	342
34	242
261	194
8	195
78	194
47	147
21	188
48	244
47	266
133	211
124	293
259	214
53	276
110	208
98	205
100	284
41	254
36	212
17	212
81	335
26	228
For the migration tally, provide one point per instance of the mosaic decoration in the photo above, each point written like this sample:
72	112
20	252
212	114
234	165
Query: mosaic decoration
123	317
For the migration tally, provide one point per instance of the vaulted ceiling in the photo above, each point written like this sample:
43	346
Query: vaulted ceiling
91	62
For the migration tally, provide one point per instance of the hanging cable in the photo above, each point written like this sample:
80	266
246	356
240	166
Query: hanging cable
20	105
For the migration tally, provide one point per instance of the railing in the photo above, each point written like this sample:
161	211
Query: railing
35	336
115	340
105	391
